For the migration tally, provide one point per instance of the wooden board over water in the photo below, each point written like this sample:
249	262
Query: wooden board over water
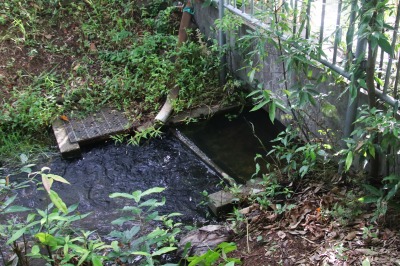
100	125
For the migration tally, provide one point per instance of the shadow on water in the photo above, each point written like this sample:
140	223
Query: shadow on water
233	140
107	168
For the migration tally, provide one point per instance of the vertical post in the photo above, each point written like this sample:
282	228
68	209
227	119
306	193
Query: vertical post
295	17
221	43
338	33
350	35
308	26
322	26
351	112
389	66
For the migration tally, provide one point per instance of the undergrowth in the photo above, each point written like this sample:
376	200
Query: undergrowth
72	58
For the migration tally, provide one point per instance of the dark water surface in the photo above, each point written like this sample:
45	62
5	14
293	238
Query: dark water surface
233	140
106	168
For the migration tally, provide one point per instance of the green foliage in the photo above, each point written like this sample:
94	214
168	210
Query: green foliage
294	158
134	243
211	257
53	228
371	125
111	58
383	197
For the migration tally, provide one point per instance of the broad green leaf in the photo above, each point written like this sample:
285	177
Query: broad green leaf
96	261
35	250
115	246
48	239
58	178
227	247
385	45
58	202
163	251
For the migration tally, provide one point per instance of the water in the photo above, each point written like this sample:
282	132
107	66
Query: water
107	168
233	140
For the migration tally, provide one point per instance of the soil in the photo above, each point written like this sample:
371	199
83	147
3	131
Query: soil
319	230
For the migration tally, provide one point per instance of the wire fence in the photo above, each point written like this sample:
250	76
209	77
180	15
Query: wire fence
334	24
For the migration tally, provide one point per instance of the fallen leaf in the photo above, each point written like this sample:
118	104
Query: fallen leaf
350	236
64	118
93	47
281	234
367	251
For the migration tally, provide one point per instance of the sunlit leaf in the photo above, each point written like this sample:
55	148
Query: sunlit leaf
58	202
163	251
58	178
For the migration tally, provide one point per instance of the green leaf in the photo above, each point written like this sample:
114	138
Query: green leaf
366	262
58	178
121	220
385	45
121	195
9	201
272	110
251	75
115	246
349	160
373	190
163	251
153	190
83	258
48	239
16	235
96	261
141	253
35	250
259	106
58	202
15	209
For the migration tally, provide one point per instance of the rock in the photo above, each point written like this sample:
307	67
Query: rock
204	239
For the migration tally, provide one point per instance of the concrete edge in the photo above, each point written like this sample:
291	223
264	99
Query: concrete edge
67	148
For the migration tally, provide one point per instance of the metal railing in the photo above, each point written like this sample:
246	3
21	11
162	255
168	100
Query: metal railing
333	23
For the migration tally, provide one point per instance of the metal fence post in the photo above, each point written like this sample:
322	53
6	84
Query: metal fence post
221	43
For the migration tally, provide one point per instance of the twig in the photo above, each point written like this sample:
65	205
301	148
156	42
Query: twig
247	238
312	242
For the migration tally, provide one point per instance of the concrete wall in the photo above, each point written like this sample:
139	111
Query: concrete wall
272	76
